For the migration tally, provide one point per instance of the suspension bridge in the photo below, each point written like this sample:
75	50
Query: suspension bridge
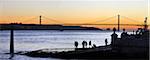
116	20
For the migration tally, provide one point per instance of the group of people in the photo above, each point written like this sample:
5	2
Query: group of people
85	44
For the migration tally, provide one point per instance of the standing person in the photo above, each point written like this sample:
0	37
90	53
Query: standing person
106	42
76	44
86	44
90	44
83	44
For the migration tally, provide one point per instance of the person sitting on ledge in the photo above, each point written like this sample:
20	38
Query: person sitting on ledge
94	46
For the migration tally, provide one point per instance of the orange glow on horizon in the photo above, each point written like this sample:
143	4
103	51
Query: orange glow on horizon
73	11
49	20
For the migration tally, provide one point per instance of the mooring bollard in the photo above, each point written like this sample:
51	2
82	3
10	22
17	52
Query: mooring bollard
11	44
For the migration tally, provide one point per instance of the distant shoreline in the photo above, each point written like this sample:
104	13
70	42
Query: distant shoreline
43	27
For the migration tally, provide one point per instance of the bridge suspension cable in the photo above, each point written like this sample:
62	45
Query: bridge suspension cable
131	19
100	20
54	20
28	20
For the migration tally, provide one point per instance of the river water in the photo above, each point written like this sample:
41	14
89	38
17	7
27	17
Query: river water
29	40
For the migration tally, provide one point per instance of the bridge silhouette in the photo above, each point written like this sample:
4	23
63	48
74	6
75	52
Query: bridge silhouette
97	22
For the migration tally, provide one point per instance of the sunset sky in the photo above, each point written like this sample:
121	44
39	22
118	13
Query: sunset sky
73	11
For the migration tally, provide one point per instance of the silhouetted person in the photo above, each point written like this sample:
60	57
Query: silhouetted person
133	31
94	46
124	34
124	30
106	42
136	32
90	44
76	44
83	44
86	44
114	29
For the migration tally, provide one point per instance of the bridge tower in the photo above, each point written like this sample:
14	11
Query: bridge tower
40	19
118	22
145	24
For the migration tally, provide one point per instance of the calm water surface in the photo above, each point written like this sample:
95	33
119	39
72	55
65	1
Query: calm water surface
28	40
